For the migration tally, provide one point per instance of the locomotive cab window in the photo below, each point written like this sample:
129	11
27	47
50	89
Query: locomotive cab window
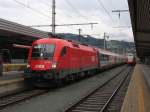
64	51
44	51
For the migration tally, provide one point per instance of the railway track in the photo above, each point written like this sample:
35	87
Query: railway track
101	98
15	98
12	99
117	101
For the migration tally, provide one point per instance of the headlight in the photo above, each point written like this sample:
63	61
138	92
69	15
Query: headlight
28	66
54	65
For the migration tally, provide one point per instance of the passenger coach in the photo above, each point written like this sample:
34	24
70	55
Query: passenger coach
131	59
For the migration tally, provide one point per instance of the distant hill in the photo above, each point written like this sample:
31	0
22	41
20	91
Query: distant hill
112	45
87	40
121	46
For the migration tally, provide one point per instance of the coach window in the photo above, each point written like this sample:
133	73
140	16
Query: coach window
64	51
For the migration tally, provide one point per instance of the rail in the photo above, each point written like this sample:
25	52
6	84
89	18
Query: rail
99	99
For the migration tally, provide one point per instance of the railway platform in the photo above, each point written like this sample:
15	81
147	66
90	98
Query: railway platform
12	73
11	82
10	77
137	98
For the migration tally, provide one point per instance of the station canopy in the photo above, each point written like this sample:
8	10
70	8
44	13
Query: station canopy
11	32
140	18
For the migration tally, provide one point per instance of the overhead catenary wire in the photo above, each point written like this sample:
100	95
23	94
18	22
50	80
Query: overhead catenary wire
37	11
45	3
101	17
26	6
57	12
69	15
106	11
75	9
77	24
45	15
70	5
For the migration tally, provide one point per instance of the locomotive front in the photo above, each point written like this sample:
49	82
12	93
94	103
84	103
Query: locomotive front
42	57
42	63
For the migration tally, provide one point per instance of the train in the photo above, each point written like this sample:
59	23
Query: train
53	61
131	59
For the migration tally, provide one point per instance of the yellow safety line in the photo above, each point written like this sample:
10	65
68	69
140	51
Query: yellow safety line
140	91
141	99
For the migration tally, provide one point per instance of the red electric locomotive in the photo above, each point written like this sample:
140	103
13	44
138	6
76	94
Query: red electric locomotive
56	59
53	60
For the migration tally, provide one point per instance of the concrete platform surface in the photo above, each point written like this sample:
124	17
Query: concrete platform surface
10	77
11	82
137	98
146	72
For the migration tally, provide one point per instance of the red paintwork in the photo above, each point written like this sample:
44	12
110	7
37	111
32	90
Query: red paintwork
77	57
131	60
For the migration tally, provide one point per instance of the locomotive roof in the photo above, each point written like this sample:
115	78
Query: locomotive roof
63	42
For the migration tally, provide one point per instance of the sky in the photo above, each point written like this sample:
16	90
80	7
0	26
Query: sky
38	12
